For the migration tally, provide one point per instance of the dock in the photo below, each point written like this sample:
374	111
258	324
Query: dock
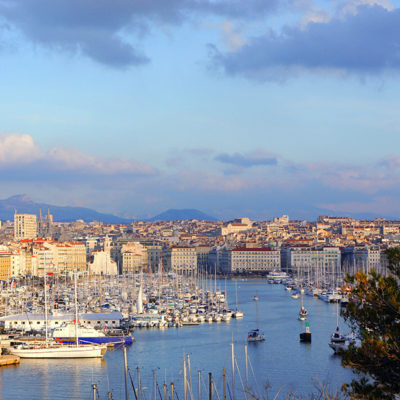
8	360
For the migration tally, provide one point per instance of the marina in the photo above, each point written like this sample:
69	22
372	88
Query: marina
281	360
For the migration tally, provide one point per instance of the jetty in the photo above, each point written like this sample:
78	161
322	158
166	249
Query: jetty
8	360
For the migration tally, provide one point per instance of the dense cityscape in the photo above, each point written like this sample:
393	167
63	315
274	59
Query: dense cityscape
240	246
199	199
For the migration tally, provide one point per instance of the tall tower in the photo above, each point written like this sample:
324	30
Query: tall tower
40	225
49	223
25	226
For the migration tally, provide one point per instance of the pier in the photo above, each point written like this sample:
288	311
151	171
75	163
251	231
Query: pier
8	360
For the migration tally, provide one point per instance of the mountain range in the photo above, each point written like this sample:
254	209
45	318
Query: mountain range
180	215
23	204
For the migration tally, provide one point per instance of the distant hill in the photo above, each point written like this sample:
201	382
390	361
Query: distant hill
24	204
180	215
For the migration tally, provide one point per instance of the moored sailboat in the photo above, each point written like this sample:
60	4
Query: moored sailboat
55	350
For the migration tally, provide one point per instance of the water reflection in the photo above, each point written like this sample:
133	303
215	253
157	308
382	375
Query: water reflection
281	360
52	379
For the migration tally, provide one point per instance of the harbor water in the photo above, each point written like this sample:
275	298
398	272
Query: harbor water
279	364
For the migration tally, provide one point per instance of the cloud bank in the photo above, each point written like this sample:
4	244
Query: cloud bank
19	153
265	186
365	41
103	30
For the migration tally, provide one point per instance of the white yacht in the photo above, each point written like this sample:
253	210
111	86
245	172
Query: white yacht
58	351
54	350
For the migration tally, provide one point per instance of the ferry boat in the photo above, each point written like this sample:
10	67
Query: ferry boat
277	276
66	334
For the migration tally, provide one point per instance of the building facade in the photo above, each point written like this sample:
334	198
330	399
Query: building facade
180	259
25	226
244	259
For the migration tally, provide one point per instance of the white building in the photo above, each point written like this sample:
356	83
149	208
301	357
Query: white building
243	259
27	322
25	226
102	264
302	259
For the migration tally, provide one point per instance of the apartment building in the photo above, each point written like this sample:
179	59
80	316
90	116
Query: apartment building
25	226
361	258
302	259
249	259
180	259
5	266
134	257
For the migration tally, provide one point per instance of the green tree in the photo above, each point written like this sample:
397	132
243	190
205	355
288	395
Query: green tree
375	316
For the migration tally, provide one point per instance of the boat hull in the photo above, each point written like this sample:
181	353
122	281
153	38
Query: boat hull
60	352
96	340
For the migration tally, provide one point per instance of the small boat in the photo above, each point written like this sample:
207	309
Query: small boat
238	314
255	335
338	341
303	312
295	295
256	298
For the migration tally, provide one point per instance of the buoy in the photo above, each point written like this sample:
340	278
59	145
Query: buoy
306	336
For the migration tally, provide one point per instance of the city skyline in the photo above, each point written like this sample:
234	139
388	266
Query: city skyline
236	109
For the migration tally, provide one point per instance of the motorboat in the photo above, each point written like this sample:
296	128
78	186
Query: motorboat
255	335
238	314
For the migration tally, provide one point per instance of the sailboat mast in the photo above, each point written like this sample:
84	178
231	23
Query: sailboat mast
45	300
76	311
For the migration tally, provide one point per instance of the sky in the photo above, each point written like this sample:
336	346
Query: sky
236	108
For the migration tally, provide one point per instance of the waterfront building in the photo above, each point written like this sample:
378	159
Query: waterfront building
300	260
217	259
180	259
27	322
134	257
202	253
154	255
361	258
25	226
250	259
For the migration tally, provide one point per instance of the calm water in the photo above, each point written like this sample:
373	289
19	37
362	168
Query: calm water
281	361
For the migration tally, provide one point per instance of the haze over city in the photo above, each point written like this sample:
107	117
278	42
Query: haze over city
235	108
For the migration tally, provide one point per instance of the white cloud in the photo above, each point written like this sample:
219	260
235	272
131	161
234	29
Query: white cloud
21	149
18	148
351	6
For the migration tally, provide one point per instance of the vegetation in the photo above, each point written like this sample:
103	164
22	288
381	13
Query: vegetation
375	316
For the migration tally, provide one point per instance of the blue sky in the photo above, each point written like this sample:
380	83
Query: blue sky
236	108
